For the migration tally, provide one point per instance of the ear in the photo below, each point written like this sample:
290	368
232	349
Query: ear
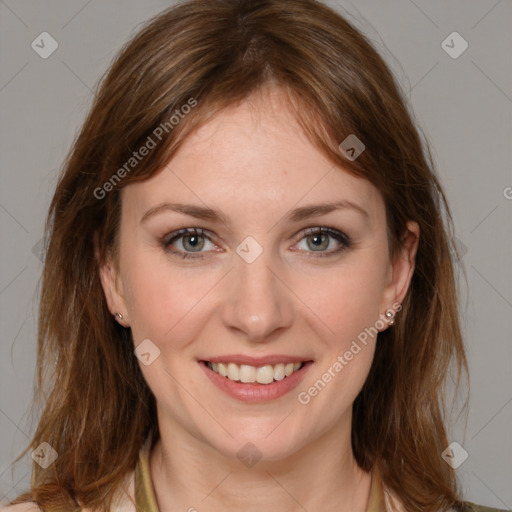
112	286
401	269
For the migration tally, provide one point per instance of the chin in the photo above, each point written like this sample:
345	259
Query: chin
266	441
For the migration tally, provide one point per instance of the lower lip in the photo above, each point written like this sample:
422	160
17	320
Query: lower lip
254	392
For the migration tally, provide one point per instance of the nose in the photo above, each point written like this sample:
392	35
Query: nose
258	303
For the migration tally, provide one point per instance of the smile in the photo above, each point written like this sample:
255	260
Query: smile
262	375
255	384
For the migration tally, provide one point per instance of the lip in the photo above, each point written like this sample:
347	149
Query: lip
254	392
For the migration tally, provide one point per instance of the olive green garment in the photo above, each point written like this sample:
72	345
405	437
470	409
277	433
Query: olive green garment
146	501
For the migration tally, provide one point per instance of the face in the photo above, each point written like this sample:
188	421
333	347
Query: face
251	251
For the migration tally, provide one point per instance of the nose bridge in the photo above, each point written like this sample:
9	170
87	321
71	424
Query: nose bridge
257	302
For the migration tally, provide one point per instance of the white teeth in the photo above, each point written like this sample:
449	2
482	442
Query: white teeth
279	371
265	374
221	369
233	371
246	373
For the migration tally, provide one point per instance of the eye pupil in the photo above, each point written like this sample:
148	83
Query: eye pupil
194	242
318	242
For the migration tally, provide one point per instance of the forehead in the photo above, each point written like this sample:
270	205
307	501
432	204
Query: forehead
253	155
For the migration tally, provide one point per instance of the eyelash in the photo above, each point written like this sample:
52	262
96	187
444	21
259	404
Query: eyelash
342	238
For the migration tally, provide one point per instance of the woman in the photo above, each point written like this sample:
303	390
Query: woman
248	298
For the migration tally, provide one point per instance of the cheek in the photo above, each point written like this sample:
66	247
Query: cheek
346	298
162	298
346	306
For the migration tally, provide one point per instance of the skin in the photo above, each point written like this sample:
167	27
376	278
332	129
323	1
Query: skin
253	163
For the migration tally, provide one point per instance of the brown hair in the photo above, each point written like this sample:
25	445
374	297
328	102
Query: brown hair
98	409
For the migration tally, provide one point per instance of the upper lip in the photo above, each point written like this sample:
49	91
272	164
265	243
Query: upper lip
256	361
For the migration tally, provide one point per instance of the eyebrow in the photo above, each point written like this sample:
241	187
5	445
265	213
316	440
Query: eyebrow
296	215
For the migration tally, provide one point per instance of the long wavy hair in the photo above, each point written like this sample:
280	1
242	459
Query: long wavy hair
96	408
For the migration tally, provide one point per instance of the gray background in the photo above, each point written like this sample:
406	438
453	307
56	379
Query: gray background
463	105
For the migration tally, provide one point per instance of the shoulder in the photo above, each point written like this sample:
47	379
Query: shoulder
20	507
124	501
468	506
393	503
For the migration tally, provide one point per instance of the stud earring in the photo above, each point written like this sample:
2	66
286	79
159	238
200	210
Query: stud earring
118	316
390	316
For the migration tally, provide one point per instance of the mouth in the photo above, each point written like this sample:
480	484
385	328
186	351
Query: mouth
247	374
255	384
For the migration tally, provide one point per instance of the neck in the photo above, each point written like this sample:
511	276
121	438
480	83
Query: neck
189	474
